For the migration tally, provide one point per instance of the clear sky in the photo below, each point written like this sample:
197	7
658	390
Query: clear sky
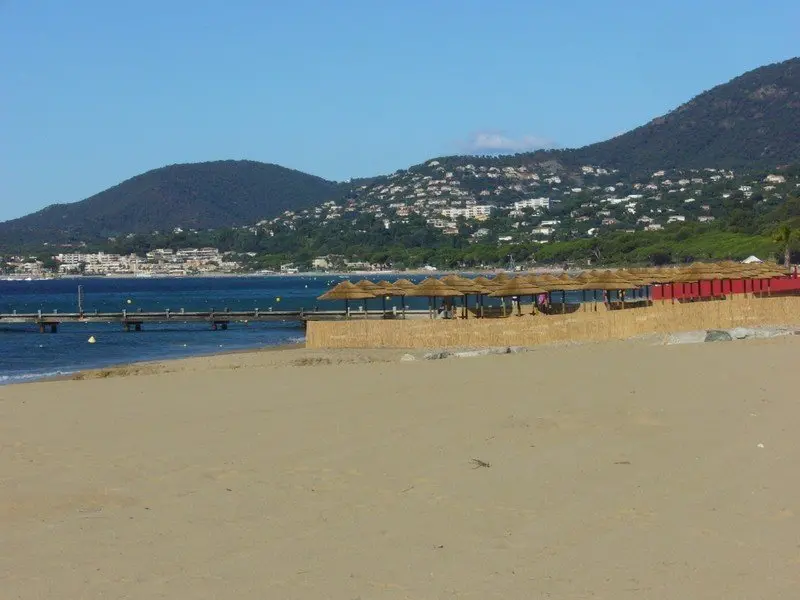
93	92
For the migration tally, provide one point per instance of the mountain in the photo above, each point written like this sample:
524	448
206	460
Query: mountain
190	196
751	121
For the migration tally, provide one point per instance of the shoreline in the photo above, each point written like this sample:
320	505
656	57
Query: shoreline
109	370
212	275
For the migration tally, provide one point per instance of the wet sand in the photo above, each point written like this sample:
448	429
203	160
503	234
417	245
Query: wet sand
615	470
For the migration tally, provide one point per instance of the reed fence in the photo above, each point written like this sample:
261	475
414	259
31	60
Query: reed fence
528	330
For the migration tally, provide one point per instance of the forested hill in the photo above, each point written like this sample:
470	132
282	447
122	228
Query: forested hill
751	121
199	196
749	124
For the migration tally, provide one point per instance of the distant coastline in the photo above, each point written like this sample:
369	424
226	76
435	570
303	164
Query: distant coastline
367	274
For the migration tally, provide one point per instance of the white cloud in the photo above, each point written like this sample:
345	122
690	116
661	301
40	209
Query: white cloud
495	142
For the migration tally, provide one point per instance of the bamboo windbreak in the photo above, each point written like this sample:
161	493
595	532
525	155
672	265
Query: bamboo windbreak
602	304
605	324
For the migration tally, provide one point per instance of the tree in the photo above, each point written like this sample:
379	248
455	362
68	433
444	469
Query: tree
786	238
50	264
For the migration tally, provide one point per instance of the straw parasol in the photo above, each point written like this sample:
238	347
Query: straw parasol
368	286
346	291
387	290
605	281
433	288
465	286
641	277
375	289
401	288
501	277
563	283
544	280
518	286
484	282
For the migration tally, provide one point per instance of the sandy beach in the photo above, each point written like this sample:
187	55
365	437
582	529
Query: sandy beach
613	470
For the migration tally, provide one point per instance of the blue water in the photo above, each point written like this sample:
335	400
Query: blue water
26	354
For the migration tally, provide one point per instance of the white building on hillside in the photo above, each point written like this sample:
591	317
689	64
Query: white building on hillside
534	203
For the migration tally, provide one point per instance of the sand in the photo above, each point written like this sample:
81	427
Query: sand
616	470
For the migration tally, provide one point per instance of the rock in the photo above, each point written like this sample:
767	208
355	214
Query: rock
408	357
516	349
686	337
718	335
740	333
437	355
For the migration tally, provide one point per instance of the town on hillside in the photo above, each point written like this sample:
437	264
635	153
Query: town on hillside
535	204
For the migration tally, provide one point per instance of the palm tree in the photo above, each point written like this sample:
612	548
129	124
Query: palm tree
786	238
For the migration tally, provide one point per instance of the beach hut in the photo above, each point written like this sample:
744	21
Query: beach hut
347	291
699	272
432	288
519	286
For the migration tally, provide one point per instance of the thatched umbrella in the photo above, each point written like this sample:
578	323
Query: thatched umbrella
367	285
404	284
641	277
519	286
487	285
567	283
432	289
544	280
375	289
386	291
484	281
346	291
551	283
466	286
400	288
501	278
605	281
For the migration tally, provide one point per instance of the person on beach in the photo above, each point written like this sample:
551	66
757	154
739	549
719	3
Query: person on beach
541	302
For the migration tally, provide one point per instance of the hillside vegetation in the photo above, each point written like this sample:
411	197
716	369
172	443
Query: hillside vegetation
727	159
751	121
189	196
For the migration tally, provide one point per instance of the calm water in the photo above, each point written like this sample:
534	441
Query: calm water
26	354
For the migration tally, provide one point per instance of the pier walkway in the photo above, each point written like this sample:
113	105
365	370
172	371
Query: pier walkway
135	320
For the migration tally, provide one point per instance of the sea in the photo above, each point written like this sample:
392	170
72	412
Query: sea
26	354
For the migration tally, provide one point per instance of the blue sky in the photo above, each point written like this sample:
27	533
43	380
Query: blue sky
93	92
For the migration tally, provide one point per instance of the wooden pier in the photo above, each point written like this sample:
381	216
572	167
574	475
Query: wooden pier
135	320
